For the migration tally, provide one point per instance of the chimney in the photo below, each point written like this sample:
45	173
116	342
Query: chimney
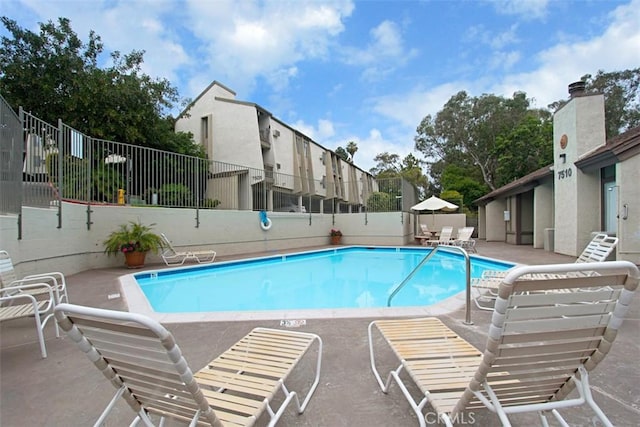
576	89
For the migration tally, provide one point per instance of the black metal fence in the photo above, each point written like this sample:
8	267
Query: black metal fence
42	165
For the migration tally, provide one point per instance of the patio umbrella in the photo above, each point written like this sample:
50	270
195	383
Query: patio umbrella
433	204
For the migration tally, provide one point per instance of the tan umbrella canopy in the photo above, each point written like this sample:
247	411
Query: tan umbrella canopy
433	204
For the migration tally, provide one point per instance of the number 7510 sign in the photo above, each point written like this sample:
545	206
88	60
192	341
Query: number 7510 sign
565	173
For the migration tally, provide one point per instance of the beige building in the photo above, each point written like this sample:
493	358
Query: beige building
592	186
299	174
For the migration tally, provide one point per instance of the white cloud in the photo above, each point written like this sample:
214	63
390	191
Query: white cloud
618	48
528	9
384	53
241	41
504	60
411	107
495	40
322	131
375	143
121	28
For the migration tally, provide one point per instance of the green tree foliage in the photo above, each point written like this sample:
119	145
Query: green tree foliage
454	197
342	153
466	131
379	202
621	91
54	75
462	181
410	168
525	149
351	148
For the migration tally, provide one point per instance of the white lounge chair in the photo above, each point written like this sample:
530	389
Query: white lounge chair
541	346
142	360
55	280
598	250
20	301
464	240
425	234
173	257
443	239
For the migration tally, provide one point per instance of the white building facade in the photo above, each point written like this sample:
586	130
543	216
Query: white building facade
252	149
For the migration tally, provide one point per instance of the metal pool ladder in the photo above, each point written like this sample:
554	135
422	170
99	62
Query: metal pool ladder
424	261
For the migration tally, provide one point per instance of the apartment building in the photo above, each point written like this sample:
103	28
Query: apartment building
261	157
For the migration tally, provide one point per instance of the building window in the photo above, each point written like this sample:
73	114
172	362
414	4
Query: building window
204	130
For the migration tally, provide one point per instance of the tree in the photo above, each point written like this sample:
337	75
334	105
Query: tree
462	181
340	152
388	165
352	147
466	130
621	91
54	75
410	168
525	149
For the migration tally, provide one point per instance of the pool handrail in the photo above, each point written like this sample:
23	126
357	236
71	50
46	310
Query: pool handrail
424	261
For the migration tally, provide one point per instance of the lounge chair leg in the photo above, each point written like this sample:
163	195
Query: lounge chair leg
543	419
583	383
496	405
417	407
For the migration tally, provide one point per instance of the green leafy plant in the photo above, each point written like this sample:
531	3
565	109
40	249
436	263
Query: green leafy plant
335	232
133	237
210	203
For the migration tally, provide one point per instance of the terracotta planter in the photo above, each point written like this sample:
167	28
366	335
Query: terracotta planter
335	240
134	259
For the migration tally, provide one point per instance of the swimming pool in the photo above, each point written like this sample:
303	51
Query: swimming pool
334	279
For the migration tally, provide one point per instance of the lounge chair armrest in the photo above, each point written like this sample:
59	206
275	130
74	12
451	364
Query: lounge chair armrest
36	279
11	291
53	274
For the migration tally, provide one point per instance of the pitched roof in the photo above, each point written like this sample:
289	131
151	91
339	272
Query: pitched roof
615	150
520	185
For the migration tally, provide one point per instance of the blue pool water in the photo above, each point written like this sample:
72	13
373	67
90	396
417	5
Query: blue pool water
354	277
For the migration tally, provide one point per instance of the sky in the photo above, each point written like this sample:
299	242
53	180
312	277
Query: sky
364	71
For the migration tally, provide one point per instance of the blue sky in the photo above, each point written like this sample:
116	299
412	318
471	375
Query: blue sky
363	71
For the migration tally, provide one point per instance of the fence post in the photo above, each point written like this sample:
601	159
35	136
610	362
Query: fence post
89	150
60	173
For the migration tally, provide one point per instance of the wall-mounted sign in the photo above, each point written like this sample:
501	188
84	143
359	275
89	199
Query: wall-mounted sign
563	141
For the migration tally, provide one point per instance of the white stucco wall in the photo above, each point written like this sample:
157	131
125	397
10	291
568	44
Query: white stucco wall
628	178
495	221
283	147
203	106
543	212
73	248
318	168
236	138
482	222
577	195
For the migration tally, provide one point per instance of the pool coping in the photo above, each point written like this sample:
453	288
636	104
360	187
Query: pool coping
137	302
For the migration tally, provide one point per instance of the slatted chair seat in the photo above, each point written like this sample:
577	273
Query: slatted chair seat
551	326
17	302
173	257
486	287
54	279
444	239
140	357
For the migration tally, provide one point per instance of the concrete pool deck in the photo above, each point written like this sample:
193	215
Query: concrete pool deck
66	390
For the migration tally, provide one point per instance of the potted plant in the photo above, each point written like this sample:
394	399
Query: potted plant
134	240
336	236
